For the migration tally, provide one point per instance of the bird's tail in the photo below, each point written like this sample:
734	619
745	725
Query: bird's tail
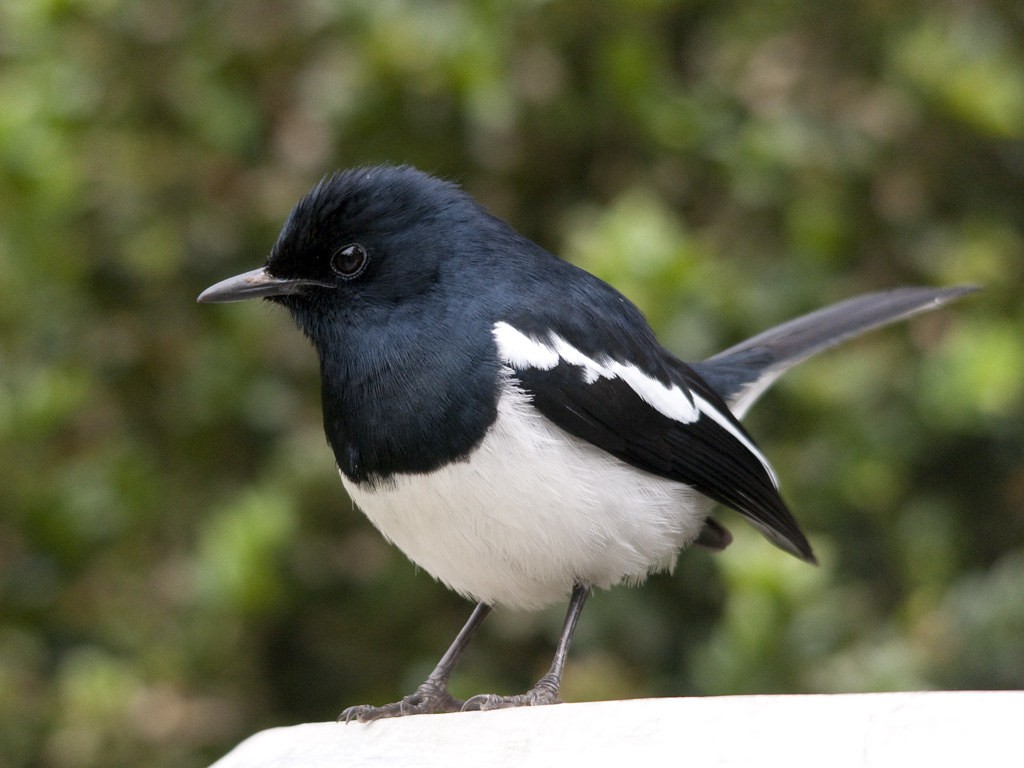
742	373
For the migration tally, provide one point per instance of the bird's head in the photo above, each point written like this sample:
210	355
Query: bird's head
362	240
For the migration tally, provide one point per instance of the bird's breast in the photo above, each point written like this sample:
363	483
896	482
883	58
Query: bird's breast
530	511
406	405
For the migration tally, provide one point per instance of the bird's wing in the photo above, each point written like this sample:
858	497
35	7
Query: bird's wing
657	415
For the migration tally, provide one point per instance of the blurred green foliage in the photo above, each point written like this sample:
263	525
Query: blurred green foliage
178	564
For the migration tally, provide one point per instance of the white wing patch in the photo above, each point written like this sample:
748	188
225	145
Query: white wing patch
522	351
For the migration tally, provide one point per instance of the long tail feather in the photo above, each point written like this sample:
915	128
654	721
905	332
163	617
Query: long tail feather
742	373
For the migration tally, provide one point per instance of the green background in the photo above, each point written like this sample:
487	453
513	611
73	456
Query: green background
179	566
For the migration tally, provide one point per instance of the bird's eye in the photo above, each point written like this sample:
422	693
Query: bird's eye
349	261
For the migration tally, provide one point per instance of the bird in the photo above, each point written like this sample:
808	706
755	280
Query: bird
510	421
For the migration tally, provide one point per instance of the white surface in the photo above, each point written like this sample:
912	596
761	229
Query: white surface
971	729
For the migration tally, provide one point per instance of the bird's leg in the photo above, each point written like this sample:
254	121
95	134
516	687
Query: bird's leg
546	689
432	696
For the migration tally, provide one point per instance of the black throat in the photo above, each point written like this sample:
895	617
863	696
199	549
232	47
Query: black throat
405	401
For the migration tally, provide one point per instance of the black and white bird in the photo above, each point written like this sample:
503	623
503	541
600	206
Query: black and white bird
508	420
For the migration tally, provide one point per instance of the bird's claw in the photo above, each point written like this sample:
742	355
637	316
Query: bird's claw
428	699
543	693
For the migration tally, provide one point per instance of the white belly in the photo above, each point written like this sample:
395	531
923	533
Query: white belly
531	512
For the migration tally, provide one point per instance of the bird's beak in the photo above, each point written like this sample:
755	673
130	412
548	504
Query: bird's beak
250	285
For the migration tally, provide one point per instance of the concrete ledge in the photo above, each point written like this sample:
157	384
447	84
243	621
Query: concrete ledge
875	729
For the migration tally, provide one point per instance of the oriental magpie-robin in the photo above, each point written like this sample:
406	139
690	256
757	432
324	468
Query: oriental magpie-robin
508	420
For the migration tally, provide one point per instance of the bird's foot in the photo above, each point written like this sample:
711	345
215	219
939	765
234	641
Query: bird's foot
430	698
544	692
